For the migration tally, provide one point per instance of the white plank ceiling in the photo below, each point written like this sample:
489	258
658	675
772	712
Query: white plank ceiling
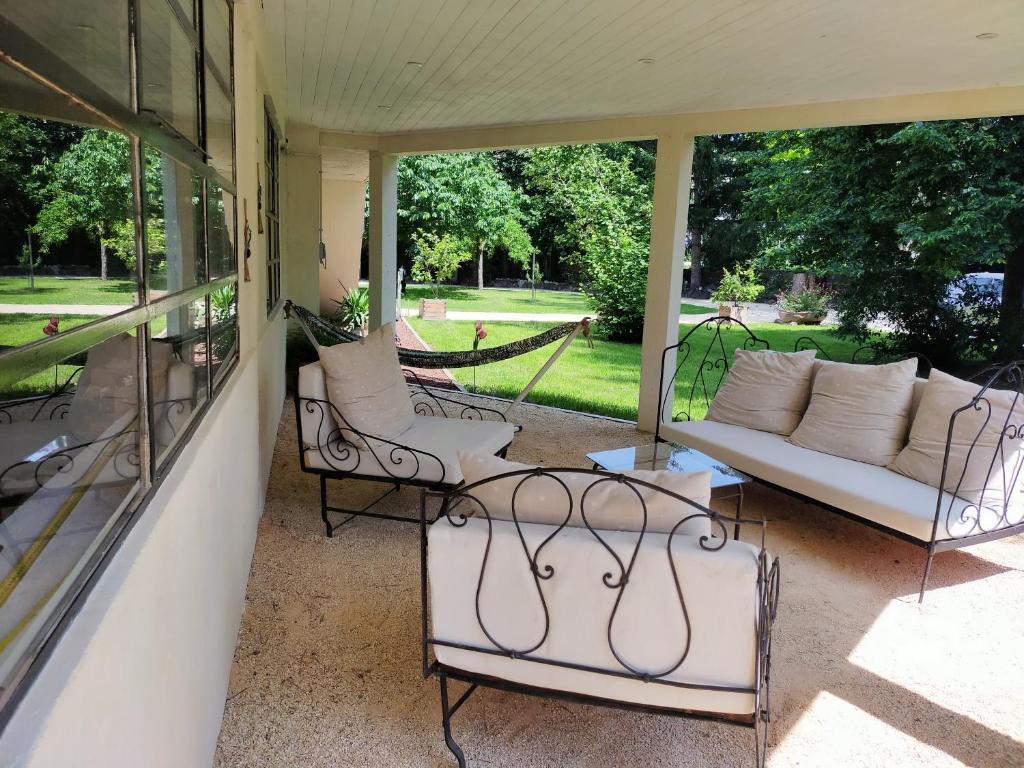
383	66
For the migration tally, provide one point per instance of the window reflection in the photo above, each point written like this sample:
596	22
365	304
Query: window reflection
220	207
167	68
174	226
223	328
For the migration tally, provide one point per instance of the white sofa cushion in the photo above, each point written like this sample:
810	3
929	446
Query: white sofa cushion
765	390
609	506
986	448
874	493
365	383
720	590
858	412
435	444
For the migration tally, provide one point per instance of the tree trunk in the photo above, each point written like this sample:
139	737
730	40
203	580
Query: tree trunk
1011	311
103	259
479	264
696	263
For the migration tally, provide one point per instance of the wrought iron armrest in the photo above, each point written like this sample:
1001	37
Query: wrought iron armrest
58	411
338	450
432	404
869	354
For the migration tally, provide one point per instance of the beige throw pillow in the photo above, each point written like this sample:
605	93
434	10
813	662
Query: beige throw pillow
987	471
859	412
765	390
610	506
365	384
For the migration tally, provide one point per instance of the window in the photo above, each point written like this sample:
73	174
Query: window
94	407
272	206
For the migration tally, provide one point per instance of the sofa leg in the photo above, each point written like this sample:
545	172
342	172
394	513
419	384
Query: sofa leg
446	722
323	507
927	572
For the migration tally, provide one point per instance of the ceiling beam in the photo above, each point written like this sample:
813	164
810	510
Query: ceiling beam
950	105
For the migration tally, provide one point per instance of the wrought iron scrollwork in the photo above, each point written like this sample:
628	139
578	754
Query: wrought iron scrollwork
51	406
427	402
875	353
711	368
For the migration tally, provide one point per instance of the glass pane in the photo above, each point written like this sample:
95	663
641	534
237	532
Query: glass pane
217	35
67	232
174	226
177	372
220	207
69	465
223	328
90	36
168	68
218	128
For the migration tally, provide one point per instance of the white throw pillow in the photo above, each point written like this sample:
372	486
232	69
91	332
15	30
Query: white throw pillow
859	412
983	475
365	384
765	390
609	506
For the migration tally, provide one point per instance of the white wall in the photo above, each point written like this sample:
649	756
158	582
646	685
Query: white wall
140	676
300	232
343	235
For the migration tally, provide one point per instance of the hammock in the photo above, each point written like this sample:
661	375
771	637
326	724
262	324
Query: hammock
322	333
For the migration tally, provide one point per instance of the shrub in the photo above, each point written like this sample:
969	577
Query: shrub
737	287
354	308
437	259
807	300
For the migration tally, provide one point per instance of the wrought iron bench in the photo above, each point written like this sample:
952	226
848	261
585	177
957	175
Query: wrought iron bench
423	457
677	622
922	515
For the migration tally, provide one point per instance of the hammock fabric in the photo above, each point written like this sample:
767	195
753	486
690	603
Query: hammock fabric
326	334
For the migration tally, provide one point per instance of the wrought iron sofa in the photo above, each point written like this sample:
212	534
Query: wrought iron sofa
424	456
880	498
675	622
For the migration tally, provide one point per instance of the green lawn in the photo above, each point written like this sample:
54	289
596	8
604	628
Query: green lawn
463	299
603	380
64	290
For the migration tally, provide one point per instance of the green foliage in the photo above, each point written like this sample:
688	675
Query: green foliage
437	259
222	303
807	300
896	212
740	286
354	308
602	195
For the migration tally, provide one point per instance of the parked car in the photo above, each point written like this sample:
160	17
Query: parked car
981	282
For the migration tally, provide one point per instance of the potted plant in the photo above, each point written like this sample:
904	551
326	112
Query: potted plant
436	260
806	307
734	291
353	312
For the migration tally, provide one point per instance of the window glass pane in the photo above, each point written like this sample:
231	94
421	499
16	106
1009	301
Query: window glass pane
223	328
69	464
174	226
177	355
218	128
220	206
217	35
67	232
90	36
168	68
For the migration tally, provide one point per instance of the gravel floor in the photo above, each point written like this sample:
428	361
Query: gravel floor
327	669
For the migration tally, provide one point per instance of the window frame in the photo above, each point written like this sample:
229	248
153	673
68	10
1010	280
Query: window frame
272	210
142	128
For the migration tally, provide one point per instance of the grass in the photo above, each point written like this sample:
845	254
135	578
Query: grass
604	380
16	330
461	299
64	290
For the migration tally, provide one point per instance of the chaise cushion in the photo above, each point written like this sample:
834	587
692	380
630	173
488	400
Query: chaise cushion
858	412
609	505
426	452
649	632
765	390
366	385
986	449
871	492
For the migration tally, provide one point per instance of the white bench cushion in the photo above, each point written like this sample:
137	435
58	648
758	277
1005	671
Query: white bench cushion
720	590
868	491
440	437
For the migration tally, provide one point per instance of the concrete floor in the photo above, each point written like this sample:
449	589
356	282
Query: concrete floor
327	669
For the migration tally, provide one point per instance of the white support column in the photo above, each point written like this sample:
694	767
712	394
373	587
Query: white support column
383	238
665	269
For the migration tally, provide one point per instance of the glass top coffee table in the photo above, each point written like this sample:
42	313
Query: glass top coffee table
726	483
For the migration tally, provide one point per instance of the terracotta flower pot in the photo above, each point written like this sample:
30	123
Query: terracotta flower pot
433	309
733	312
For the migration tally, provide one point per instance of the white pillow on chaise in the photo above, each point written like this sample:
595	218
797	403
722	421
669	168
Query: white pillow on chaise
366	385
609	506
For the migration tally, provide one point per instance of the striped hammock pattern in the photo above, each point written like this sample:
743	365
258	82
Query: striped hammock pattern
327	335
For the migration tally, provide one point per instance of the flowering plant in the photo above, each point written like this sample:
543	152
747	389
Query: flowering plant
479	334
51	329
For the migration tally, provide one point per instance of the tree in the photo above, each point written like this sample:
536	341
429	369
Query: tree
438	258
463	195
897	212
90	187
602	194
